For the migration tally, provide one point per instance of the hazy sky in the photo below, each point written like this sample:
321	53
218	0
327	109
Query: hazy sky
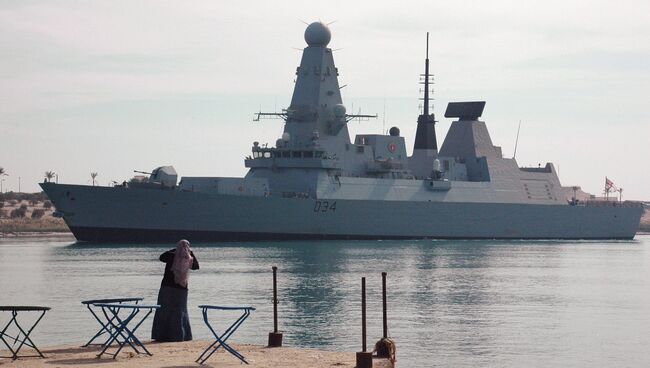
113	86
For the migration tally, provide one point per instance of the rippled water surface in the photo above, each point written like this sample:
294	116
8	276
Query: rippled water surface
450	303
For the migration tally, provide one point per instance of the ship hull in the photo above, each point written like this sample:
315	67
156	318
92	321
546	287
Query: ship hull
115	214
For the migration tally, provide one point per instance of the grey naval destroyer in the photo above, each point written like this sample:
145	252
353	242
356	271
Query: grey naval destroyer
318	184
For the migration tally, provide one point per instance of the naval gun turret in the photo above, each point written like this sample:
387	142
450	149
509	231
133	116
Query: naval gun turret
163	177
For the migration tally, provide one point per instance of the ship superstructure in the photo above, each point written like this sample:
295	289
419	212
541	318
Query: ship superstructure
316	183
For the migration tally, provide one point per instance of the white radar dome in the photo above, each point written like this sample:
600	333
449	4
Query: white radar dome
317	34
339	111
436	165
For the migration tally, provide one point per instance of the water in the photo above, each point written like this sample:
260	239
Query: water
451	303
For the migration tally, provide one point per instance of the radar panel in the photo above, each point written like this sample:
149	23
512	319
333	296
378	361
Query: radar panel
465	110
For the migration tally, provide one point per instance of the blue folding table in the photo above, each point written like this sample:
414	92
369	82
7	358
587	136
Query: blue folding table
22	336
120	332
220	340
105	326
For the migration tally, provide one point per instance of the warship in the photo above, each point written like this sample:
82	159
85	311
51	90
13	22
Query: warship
316	183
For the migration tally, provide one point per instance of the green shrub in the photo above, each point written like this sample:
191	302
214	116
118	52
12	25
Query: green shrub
12	202
38	213
18	213
3	213
47	205
23	207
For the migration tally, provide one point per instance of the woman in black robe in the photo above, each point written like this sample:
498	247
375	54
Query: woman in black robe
171	322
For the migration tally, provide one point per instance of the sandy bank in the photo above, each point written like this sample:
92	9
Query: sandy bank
48	235
36	217
183	355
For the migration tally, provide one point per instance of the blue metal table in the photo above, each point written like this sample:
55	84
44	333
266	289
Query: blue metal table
220	340
22	336
105	326
119	330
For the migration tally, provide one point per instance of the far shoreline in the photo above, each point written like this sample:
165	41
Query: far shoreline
37	234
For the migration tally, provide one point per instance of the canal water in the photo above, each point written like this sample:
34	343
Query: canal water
450	303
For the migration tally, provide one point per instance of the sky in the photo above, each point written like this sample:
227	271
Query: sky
116	86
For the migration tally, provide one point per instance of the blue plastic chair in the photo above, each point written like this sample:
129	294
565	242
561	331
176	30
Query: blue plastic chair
220	340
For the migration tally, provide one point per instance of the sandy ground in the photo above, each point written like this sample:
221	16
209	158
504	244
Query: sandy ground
62	236
173	355
46	225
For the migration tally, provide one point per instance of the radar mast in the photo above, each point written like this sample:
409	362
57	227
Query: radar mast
425	136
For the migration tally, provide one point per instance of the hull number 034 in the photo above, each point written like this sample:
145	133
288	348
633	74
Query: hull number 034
325	206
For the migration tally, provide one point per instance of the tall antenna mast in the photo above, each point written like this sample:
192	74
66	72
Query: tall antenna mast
426	81
517	140
383	125
425	134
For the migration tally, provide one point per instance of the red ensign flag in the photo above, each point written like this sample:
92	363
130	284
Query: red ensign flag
609	184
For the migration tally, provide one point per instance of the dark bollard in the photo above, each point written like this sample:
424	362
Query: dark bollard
383	296
364	358
363	314
385	347
275	337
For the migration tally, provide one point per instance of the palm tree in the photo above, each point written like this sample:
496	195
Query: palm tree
93	175
49	175
2	173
